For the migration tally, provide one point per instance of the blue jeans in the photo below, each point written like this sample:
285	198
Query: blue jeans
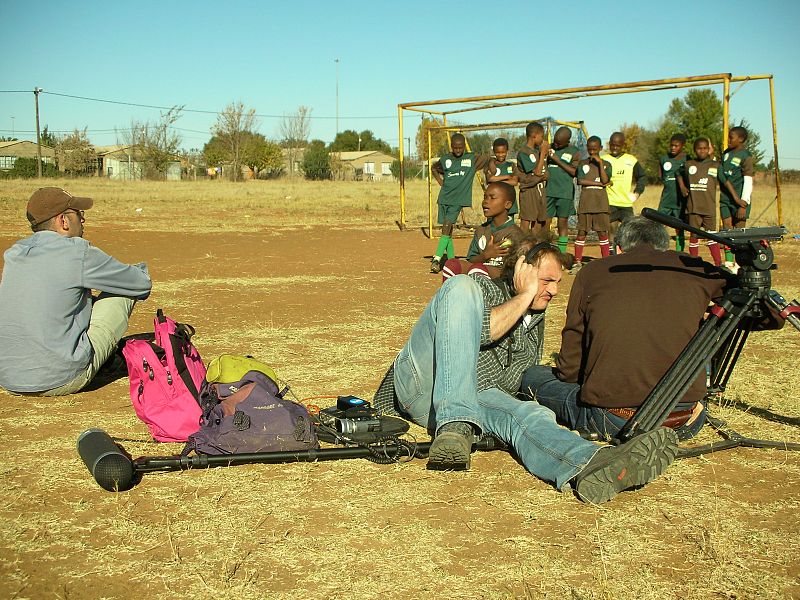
435	379
541	384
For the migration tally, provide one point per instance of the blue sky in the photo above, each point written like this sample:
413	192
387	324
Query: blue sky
277	56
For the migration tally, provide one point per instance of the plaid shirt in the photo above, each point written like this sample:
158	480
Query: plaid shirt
501	363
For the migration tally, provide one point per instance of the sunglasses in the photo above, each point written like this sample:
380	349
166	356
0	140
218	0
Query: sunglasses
80	213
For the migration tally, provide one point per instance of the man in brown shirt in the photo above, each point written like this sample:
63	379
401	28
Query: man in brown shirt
628	318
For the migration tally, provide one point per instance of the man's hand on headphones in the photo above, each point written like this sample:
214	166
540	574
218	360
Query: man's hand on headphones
526	277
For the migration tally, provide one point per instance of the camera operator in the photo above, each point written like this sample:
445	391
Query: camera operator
628	318
459	372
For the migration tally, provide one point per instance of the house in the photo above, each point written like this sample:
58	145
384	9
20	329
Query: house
293	161
118	161
364	165
11	151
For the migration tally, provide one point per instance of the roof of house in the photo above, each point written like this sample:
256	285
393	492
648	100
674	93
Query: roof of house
355	155
15	142
111	149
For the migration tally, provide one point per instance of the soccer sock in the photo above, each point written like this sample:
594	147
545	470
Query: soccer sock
562	243
694	246
451	250
713	247
442	247
680	242
451	267
604	246
579	244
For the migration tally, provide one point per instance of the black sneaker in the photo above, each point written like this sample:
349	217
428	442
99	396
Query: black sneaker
436	266
451	449
629	465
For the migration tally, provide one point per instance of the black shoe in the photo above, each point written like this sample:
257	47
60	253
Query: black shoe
451	449
436	266
629	465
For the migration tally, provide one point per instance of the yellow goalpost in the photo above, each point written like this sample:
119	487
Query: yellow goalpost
450	106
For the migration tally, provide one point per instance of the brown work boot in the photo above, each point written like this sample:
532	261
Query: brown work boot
632	464
451	449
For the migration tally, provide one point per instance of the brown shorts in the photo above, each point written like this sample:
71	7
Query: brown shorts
532	205
707	222
593	222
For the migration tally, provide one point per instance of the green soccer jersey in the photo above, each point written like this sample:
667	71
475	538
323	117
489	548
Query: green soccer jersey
560	183
527	160
735	166
505	168
670	166
486	231
458	174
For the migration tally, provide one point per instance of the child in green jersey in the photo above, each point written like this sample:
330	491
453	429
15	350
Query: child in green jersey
489	246
502	169
671	203
736	183
455	172
561	165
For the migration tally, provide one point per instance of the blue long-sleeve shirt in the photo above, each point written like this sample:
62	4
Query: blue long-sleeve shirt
46	304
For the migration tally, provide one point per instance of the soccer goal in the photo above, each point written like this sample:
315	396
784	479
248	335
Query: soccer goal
444	108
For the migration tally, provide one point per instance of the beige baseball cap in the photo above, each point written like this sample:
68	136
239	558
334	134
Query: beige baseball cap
47	202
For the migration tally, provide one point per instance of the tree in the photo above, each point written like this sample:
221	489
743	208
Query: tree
25	168
697	114
261	155
439	143
640	142
154	145
294	131
317	161
48	139
75	153
233	125
349	141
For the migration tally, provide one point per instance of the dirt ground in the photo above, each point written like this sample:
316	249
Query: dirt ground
329	307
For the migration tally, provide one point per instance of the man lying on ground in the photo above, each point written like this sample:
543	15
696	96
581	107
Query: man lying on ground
54	335
460	371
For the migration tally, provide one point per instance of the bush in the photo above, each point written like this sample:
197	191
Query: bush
317	162
25	168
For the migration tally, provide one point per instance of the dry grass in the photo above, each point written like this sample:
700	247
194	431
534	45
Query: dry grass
326	290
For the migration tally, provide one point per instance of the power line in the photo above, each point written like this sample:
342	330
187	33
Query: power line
204	112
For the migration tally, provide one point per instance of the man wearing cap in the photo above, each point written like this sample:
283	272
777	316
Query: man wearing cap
54	335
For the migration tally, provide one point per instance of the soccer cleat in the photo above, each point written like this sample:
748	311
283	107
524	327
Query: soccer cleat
451	449
575	268
436	266
632	464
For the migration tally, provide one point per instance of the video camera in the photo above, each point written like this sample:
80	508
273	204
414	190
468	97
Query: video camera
351	415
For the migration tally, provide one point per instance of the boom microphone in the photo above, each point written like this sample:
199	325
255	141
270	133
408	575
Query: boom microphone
110	466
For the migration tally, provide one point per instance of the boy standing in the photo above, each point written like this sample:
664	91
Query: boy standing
672	195
561	164
624	170
455	172
489	245
699	178
594	176
501	169
736	184
532	176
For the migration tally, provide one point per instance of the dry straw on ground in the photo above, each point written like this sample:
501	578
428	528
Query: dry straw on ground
316	280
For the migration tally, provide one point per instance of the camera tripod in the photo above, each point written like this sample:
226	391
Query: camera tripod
718	343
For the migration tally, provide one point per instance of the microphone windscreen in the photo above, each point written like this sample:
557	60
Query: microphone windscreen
111	468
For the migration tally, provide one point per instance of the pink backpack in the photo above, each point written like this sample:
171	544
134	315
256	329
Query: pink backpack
165	379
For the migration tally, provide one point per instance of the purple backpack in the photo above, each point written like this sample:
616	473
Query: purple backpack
165	378
251	415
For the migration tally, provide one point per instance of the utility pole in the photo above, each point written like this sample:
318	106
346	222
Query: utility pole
408	139
36	92
12	126
336	60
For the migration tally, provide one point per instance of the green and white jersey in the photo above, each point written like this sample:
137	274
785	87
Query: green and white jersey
503	168
594	198
735	165
560	184
670	166
484	233
458	174
527	160
701	179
